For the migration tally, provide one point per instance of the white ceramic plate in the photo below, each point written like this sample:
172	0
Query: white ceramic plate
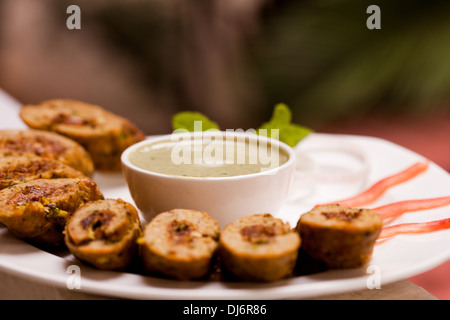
400	258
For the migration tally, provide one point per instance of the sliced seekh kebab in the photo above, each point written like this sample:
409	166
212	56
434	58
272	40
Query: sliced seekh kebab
180	244
259	247
104	233
339	236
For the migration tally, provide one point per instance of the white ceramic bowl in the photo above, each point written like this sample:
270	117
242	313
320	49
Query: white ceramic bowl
224	198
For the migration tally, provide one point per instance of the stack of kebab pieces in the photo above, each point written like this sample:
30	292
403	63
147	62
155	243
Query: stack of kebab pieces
46	179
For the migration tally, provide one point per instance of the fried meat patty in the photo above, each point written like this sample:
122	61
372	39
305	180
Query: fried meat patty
259	248
104	233
340	237
104	134
47	145
180	244
20	169
39	210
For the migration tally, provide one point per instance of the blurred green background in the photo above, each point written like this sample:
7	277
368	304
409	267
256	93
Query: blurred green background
231	59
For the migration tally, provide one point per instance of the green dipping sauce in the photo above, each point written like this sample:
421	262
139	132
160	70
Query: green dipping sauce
198	157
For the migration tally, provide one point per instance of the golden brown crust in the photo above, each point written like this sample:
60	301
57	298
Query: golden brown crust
104	134
39	210
338	236
259	248
47	145
20	169
180	244
103	233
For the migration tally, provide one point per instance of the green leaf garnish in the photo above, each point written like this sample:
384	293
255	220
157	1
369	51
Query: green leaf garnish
288	132
188	120
282	115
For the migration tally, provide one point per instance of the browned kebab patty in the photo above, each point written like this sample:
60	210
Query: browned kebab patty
47	145
19	169
105	135
38	210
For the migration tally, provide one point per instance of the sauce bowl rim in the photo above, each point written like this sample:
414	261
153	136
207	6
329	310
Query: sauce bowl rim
152	139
